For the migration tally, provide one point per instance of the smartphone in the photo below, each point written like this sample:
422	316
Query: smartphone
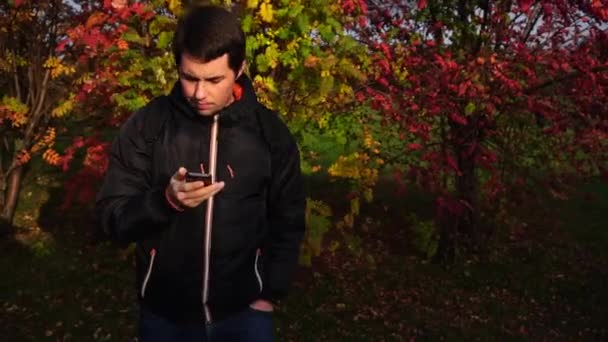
198	176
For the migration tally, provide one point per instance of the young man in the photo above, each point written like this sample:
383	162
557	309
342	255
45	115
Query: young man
212	260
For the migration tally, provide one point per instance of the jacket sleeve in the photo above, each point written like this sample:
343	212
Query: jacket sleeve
128	207
286	204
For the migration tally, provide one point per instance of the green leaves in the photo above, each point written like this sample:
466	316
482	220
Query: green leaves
470	108
317	217
132	36
164	39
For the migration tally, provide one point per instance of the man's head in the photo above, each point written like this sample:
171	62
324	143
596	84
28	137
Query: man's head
209	51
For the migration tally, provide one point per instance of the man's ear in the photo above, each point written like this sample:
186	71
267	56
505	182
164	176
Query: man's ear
241	69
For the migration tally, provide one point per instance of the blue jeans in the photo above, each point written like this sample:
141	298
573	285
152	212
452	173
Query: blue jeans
248	325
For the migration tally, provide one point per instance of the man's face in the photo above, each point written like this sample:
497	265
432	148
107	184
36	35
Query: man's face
207	86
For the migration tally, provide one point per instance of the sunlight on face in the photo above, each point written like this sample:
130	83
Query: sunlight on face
207	85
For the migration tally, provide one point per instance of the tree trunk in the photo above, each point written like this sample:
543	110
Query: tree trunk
11	195
460	228
466	190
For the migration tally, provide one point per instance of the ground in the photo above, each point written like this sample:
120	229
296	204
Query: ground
544	281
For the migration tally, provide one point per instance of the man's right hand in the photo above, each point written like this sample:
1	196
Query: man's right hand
189	194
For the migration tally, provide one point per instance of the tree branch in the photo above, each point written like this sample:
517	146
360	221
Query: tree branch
566	77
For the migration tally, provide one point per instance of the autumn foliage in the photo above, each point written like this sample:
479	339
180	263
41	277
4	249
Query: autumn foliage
479	103
490	98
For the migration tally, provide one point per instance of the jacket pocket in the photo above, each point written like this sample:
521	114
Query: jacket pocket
148	273
257	270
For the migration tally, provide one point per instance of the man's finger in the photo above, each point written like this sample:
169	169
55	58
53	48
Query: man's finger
180	174
203	193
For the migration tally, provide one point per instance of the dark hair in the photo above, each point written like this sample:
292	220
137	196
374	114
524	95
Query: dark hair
209	32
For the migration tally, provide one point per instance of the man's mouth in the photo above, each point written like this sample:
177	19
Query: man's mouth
202	106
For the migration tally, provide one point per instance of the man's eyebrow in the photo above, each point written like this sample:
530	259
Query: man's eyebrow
215	78
210	78
188	75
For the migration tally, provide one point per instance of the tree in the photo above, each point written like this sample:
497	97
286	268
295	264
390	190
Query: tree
488	97
35	79
301	60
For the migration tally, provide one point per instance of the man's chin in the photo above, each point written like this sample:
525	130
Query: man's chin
206	112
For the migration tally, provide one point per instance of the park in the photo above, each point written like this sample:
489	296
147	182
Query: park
454	156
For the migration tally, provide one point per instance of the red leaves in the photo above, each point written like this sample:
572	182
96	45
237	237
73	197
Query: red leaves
421	4
386	50
383	81
348	6
414	146
384	66
459	119
453	164
525	5
363	6
600	9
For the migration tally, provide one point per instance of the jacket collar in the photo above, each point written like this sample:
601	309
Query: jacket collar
230	114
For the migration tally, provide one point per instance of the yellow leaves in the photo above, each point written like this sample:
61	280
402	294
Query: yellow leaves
252	4
51	62
57	68
272	55
63	109
318	207
13	110
353	166
8	59
175	6
265	83
323	122
400	74
369	142
267	12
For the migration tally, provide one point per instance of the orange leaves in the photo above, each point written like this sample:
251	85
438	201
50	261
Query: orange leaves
47	140
311	61
52	157
96	19
122	44
119	4
23	157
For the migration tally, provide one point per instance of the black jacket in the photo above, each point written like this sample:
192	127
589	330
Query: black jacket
260	208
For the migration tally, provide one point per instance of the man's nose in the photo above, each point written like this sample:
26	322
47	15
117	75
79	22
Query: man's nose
199	91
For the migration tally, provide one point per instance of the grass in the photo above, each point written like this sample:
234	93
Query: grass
549	283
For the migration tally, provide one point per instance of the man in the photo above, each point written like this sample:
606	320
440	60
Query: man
212	260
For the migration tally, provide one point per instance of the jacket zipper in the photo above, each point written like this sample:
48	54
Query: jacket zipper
257	271
147	278
209	218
